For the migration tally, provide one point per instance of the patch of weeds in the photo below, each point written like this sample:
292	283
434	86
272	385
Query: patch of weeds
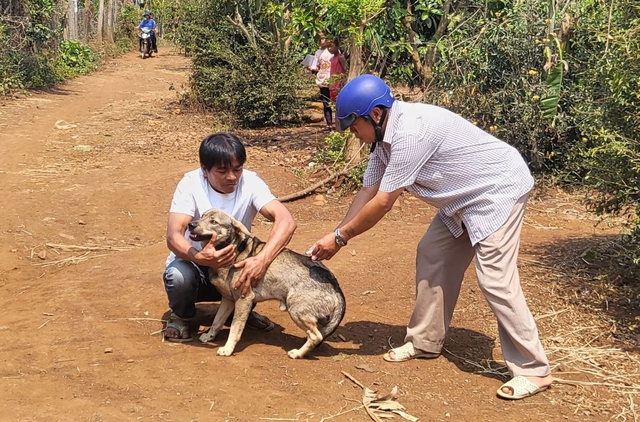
74	59
333	157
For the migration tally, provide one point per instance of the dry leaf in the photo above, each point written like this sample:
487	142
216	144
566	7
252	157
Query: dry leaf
385	407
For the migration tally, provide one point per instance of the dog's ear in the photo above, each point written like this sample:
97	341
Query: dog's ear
239	227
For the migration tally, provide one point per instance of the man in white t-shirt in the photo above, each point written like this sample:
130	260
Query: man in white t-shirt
220	182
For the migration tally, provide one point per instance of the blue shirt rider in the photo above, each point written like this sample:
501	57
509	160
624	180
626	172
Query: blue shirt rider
148	22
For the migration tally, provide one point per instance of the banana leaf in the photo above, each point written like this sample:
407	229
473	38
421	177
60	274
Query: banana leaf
549	103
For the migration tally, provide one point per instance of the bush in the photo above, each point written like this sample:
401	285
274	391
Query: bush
502	68
74	59
604	100
253	87
490	70
10	79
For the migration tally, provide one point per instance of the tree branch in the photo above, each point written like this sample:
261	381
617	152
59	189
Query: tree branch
238	23
313	187
422	71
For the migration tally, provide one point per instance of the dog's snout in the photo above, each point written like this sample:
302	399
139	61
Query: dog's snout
192	226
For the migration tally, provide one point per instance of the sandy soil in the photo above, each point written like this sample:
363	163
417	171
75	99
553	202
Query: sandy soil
88	170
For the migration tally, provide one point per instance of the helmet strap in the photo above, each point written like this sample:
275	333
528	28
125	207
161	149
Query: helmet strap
377	127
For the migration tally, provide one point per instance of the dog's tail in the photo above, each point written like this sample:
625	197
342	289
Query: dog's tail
333	320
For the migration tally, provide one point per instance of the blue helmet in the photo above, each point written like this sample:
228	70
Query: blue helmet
358	98
147	13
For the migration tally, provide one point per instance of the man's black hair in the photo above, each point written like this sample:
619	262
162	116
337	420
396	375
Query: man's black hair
219	149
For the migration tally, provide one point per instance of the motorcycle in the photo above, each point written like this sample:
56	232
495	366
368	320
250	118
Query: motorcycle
145	43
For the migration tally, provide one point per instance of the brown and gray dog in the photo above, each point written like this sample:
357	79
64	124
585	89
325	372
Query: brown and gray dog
305	288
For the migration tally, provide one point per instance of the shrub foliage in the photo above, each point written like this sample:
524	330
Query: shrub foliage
245	75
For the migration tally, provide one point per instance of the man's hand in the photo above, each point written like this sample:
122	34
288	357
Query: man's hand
254	270
210	257
324	248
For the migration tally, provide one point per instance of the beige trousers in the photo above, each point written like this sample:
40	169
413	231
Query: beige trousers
440	265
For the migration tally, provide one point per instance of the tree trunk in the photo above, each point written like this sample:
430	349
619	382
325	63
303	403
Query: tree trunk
423	71
356	67
86	20
109	28
100	20
71	32
430	59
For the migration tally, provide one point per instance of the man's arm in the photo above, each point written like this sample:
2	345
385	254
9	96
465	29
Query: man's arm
182	248
363	196
283	228
371	213
368	215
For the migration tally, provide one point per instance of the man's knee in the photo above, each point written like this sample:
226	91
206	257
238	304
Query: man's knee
180	277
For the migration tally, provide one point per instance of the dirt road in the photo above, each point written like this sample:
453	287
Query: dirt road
87	174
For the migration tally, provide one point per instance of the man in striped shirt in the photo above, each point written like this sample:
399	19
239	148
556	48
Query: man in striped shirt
480	186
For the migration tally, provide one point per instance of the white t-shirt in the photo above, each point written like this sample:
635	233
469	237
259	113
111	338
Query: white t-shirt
194	196
324	66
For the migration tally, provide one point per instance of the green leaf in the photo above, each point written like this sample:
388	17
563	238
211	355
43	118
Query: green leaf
549	103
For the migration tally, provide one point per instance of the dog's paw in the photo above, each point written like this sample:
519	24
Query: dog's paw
206	337
223	351
295	354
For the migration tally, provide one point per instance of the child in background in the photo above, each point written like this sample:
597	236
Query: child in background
323	72
338	69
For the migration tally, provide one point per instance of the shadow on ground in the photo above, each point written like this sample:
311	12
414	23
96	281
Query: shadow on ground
469	350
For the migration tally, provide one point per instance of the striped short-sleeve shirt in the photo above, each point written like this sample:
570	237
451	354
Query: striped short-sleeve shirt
472	177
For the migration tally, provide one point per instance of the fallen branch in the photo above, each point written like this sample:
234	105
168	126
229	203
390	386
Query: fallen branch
70	260
346	169
88	248
313	187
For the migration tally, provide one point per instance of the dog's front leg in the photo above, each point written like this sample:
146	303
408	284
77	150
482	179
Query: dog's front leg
240	316
224	310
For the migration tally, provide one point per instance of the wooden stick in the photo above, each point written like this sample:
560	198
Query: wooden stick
603	384
146	319
311	188
347	168
88	248
538	318
326	418
355	381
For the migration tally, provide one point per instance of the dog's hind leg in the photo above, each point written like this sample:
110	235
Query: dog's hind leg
225	309
240	316
314	337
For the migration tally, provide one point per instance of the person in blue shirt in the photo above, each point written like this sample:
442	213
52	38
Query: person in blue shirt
148	22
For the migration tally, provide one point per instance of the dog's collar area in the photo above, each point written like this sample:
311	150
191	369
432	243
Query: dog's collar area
223	244
242	246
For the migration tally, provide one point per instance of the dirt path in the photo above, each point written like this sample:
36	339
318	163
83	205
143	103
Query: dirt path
92	166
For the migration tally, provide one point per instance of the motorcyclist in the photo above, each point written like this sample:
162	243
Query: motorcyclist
148	22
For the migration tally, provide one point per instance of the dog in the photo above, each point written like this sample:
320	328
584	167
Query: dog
305	288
